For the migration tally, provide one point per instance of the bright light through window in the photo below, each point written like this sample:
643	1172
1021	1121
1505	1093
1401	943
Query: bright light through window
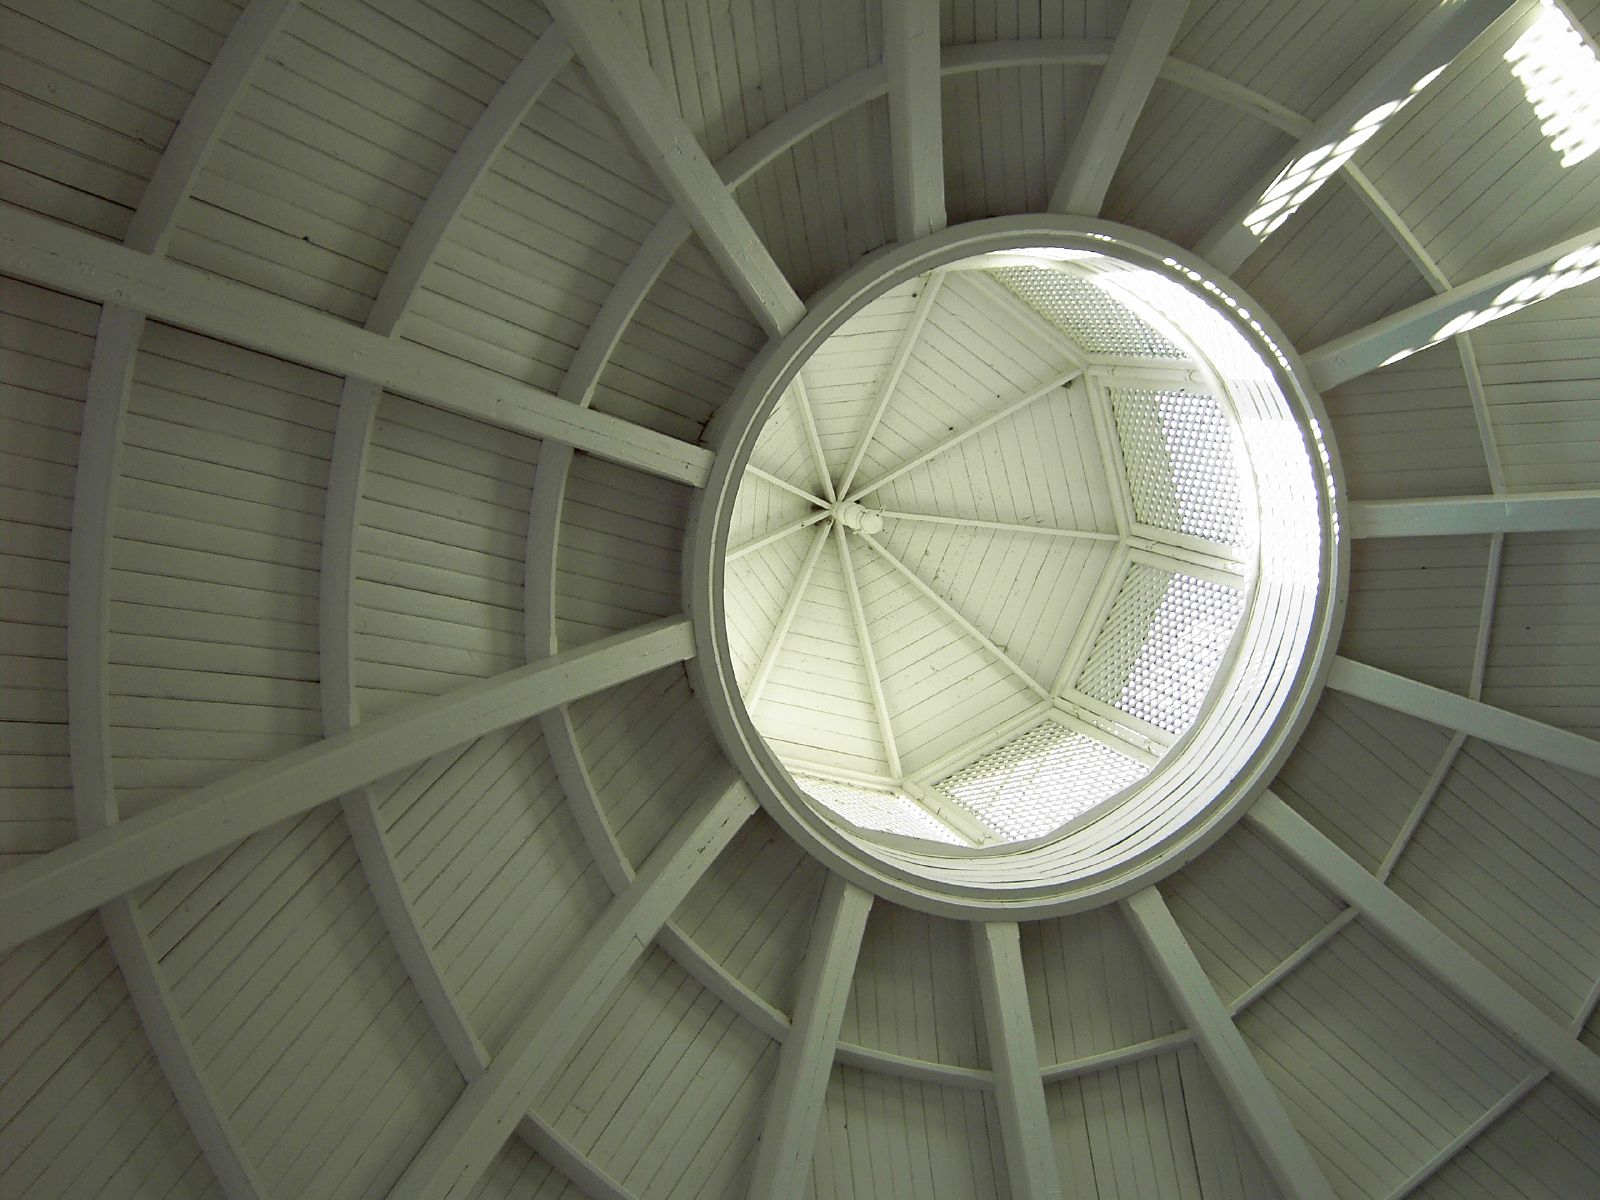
1561	76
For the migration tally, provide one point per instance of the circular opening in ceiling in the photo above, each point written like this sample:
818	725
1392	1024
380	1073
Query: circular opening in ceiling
1017	566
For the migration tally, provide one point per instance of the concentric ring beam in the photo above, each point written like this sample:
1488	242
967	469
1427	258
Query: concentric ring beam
916	131
1431	44
1477	302
1503	1005
794	1105
1472	717
1449	516
54	887
1237	1072
69	260
1147	33
635	95
483	1117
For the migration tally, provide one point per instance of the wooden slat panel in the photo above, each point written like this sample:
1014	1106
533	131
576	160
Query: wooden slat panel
1414	608
1225	1158
1244	908
517	1173
1507	862
753	912
495	868
316	1043
617	556
664	1093
540	241
1408	429
94	93
1091	988
337	142
914	992
683	351
87	1112
1377	1065
1469	151
439	550
649	752
893	1139
1546	1148
46	340
757	588
215	563
1541	373
1357	771
1544	654
1331	269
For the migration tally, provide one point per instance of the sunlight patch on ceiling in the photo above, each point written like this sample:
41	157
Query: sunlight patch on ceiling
1561	78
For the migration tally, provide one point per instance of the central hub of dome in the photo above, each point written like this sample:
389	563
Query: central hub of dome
1017	564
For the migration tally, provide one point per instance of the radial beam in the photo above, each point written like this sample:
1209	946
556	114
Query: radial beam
1432	43
1237	1072
1449	516
794	1107
54	887
1487	298
858	614
1018	1080
777	535
1472	717
617	64
1119	97
1088	535
1503	1005
462	1146
68	260
891	378
971	431
808	420
758	682
916	132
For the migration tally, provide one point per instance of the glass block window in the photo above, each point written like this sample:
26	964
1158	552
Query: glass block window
1098	323
1179	462
1040	781
883	811
1161	645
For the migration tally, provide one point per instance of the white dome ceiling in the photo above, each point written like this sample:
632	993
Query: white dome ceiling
365	833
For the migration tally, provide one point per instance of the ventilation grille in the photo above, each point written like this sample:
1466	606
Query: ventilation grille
1161	645
1040	781
883	811
1179	461
1086	314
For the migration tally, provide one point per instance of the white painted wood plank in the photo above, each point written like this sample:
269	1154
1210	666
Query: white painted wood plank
1258	1107
1508	1009
42	251
1147	33
1019	1085
94	869
1469	716
916	134
461	1148
1525	512
794	1106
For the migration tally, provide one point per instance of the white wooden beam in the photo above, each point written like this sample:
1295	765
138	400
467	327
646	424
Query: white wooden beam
891	377
1473	717
1449	516
1466	306
955	617
208	109
494	126
1087	535
1105	1060
1019	1083
801	399
970	431
744	549
1443	33
57	886
916	130
794	1106
68	260
758	682
1435	951
1141	47
617	64
1257	1105
869	660
465	1142
1025	52
1094	616
777	481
